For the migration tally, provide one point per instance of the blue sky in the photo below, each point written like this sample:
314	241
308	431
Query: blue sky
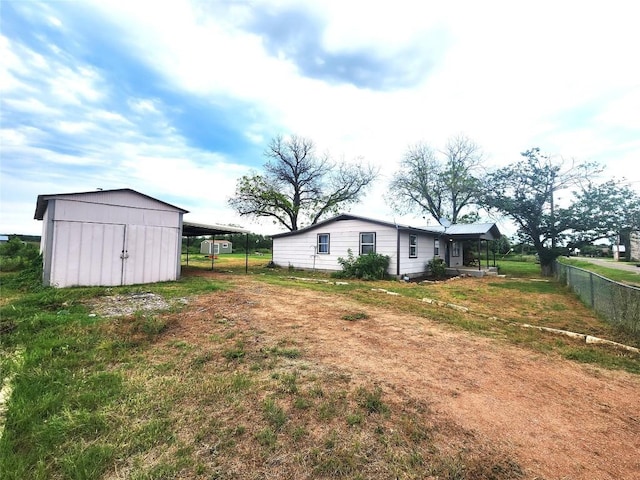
178	99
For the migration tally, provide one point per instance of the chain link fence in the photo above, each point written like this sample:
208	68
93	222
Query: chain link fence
617	303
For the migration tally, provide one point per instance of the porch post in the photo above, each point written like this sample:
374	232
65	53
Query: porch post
479	254
487	242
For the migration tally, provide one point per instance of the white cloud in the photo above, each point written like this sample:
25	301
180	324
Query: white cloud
509	75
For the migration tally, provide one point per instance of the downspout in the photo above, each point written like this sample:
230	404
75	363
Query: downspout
397	251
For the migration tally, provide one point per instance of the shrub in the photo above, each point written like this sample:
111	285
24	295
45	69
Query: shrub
17	255
437	267
372	266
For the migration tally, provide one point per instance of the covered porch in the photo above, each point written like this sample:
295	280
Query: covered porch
476	263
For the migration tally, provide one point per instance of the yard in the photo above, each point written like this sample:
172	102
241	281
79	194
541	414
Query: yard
283	374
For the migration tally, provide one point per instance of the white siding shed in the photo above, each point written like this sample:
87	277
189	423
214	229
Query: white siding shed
108	237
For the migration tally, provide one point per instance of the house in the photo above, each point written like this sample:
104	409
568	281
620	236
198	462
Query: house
216	247
108	237
319	246
627	246
4	238
634	246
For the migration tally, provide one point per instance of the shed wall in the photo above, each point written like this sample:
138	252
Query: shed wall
86	243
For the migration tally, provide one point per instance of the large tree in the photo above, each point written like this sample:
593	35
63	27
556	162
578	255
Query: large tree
603	211
527	191
442	184
299	186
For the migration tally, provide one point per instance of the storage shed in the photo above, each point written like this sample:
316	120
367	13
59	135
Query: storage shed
108	237
216	247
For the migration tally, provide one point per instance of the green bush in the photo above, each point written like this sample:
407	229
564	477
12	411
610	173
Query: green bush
437	267
372	266
16	255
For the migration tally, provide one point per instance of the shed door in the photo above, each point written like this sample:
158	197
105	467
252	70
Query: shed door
150	254
87	254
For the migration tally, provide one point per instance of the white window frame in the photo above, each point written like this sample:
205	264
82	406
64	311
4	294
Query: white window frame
368	244
455	249
319	243
413	247
436	247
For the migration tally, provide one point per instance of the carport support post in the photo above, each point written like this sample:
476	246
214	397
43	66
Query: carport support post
480	255
246	254
188	251
213	249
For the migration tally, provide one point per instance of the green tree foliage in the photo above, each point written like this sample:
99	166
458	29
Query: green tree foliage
441	184
526	191
299	186
603	212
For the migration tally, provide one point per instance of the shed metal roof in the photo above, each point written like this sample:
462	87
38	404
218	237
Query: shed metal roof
191	229
43	200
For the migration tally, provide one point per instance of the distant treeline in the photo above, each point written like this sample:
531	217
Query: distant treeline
24	238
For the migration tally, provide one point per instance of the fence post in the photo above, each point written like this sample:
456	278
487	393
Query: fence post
591	285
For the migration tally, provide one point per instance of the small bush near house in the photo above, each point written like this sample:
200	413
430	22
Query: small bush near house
372	266
437	268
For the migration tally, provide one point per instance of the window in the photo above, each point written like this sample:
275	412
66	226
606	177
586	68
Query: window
436	247
413	246
225	245
455	249
367	243
323	243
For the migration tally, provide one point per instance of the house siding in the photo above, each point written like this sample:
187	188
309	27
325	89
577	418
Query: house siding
299	250
425	252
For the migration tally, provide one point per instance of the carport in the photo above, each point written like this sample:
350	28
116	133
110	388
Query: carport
191	229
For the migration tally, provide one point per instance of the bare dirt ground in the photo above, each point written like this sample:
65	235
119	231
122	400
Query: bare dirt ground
559	419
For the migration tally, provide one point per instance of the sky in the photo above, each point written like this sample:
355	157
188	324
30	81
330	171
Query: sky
179	99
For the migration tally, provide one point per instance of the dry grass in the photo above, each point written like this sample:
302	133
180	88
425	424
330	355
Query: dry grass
227	400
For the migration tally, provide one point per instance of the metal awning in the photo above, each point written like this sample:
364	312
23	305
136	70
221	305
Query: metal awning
192	229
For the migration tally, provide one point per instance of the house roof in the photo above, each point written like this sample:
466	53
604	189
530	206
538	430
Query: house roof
345	216
469	231
43	200
460	231
191	229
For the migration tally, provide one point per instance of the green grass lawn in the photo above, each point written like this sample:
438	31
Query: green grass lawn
611	273
96	396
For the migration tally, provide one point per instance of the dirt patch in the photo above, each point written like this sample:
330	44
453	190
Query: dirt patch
129	304
558	419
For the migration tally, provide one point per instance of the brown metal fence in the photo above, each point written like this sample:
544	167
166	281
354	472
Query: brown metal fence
619	304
